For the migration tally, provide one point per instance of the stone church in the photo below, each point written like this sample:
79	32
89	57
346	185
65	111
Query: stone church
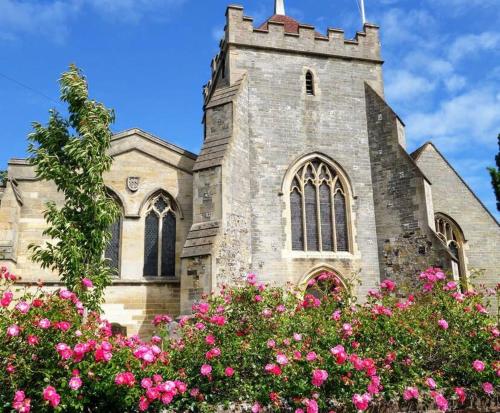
303	169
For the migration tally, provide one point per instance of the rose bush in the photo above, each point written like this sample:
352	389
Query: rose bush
270	348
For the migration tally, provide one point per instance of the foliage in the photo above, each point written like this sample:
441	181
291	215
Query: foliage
3	178
270	347
495	175
76	163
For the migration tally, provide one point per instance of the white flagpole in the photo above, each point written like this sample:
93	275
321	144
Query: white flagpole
363	15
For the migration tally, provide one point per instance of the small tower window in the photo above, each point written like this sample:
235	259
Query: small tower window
309	83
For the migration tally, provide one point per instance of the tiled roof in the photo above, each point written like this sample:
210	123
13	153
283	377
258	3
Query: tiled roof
291	25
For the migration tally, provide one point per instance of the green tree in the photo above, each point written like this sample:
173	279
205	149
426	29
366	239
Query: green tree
495	175
72	152
3	177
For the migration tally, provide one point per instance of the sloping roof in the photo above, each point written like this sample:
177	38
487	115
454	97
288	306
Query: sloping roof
291	25
215	147
418	153
153	138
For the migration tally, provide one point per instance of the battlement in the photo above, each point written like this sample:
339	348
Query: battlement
240	31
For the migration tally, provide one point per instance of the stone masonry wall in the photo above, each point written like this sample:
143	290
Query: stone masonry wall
452	197
286	124
406	241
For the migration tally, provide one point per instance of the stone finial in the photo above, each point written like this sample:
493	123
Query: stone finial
279	7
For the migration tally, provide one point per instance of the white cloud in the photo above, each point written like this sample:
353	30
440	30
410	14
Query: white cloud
46	18
472	44
403	26
403	85
52	18
133	10
467	120
455	83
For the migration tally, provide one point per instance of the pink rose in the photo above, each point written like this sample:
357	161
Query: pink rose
229	371
256	408
441	402
7	298
361	402
50	395
206	370
478	365
443	324
44	323
282	359
488	388
23	307
319	377
388	285
460	392
210	340
431	383
75	383
410	393
87	283
13	330
311	356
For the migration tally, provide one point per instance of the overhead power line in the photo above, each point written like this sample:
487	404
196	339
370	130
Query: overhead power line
27	87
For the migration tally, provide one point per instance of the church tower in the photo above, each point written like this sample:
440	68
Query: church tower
284	178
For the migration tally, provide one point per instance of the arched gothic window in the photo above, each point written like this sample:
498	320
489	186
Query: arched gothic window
112	252
318	206
309	83
451	235
159	238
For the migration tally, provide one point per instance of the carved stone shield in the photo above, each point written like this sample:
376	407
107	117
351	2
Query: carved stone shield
133	183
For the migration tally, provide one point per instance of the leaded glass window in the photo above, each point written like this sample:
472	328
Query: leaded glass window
451	235
318	206
112	253
159	238
309	83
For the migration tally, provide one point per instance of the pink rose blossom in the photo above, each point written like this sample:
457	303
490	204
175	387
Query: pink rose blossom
271	343
23	307
311	406
441	402
488	388
443	324
460	392
87	283
50	395
13	330
273	369
388	285
210	340
297	337
311	356
478	365
431	383
229	371
336	315
256	408
282	359
7	298
410	393
206	370
125	379
319	377
75	383
44	323
361	402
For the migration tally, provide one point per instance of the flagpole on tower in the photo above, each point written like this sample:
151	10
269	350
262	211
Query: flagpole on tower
279	7
363	14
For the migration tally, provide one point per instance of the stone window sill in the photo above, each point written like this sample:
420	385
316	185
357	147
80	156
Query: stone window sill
319	255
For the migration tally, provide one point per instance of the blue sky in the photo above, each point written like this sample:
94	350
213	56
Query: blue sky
148	59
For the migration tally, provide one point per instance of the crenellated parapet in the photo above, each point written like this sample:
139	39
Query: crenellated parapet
240	31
